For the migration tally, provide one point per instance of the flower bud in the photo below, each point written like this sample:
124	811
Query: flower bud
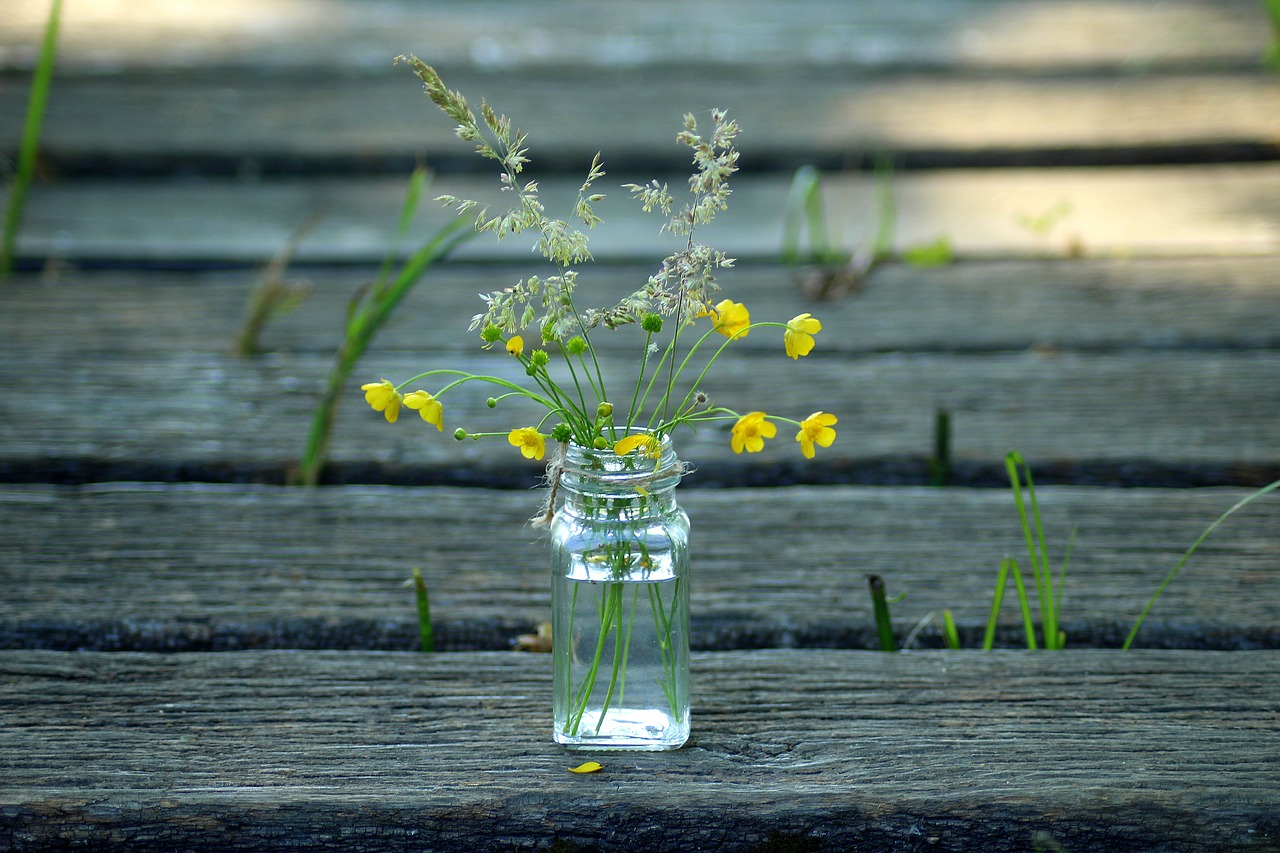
459	433
492	402
600	443
604	410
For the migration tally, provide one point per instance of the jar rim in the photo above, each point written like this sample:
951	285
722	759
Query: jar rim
594	468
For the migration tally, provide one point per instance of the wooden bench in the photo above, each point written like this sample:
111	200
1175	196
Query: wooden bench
195	656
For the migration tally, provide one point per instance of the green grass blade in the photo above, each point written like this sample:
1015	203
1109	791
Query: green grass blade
1028	623
819	245
417	185
950	635
997	599
360	330
802	184
1033	533
940	461
880	607
1174	571
426	634
30	145
882	248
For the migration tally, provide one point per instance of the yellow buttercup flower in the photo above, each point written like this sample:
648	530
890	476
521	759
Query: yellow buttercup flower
532	444
798	338
429	407
383	397
515	346
729	318
750	432
642	440
816	429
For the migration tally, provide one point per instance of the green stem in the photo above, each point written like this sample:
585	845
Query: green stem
621	651
635	395
662	622
589	681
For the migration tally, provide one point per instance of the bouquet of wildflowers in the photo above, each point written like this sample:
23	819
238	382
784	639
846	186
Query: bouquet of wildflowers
678	298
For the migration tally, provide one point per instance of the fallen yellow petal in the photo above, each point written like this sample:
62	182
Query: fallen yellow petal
589	767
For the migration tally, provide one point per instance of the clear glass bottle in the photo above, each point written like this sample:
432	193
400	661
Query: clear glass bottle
620	601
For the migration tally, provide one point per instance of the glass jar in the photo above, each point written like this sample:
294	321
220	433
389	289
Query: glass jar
620	601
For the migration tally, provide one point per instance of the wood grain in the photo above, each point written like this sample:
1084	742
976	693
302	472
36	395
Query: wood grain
211	568
1098	305
1210	210
238	122
819	749
1126	35
1157	410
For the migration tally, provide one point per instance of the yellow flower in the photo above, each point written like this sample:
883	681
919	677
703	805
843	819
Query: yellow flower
816	429
515	346
648	443
383	397
729	318
532	444
429	407
750	432
798	338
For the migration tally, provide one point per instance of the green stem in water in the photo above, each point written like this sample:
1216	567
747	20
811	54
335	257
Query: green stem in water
589	681
621	651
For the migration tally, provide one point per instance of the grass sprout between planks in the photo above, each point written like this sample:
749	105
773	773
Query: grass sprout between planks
368	310
1047	591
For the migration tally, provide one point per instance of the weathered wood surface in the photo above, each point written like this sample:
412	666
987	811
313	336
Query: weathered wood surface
1124	35
259	115
134	566
217	121
1194	417
1138	372
1100	305
811	749
1206	210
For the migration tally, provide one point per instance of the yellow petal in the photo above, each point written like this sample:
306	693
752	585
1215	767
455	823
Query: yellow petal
589	767
633	442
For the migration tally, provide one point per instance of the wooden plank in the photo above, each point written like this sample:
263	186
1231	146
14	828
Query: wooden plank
1211	210
1125	34
1202	416
198	567
227	122
830	750
980	306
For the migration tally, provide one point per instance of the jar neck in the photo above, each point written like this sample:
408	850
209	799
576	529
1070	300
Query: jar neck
599	483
